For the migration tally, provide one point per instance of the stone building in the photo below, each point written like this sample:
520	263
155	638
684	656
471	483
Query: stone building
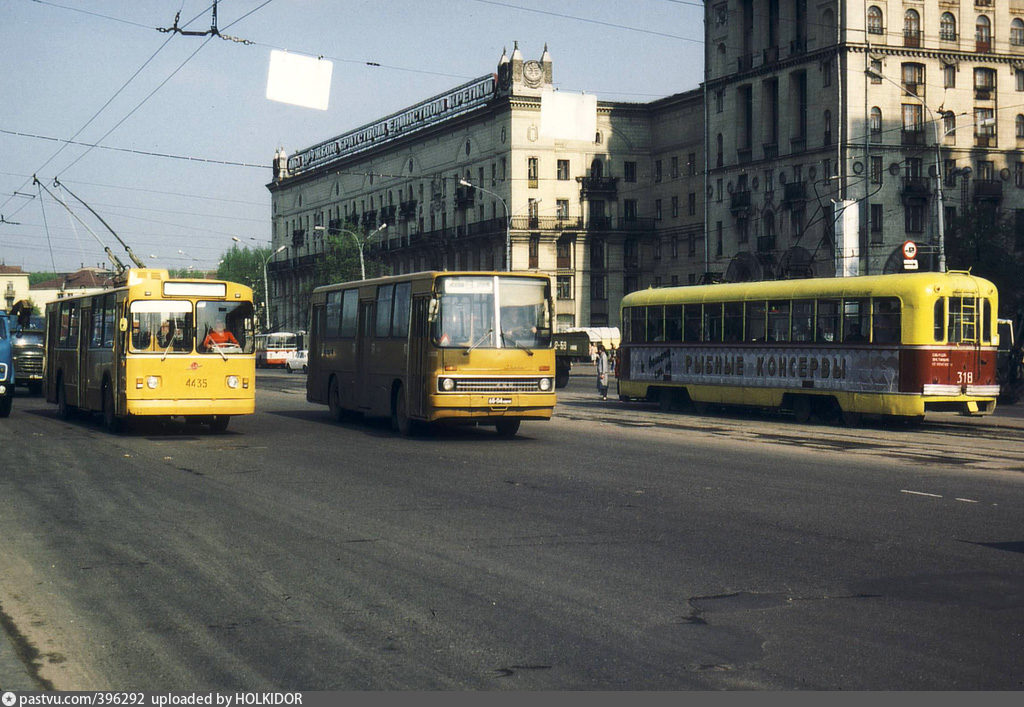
605	203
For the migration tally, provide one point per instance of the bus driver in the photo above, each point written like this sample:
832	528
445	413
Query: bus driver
219	337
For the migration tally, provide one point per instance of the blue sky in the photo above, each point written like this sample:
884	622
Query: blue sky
68	68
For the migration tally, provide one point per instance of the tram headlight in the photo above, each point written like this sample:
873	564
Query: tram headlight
152	382
447	384
545	384
232	382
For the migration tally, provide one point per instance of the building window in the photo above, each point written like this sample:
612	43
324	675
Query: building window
675	168
691	164
984	123
914	218
719	100
562	209
675	240
629	209
563	170
1018	174
949	126
913	79
657	209
947	27
984	83
597	287
597	254
876	223
827	119
876	124
675	207
1017	32
629	171
913	124
718	149
1018	76
876	71
1020	126
532	172
564	286
876	169
983	34
875	20
911	29
534	252
718	239
826	72
949	76
657	171
691	204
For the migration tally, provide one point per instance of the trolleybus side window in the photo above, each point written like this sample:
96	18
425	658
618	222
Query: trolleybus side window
886	320
828	321
778	320
349	314
674	322
803	320
732	324
856	320
755	321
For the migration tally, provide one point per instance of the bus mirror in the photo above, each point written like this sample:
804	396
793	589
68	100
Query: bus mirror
123	324
432	311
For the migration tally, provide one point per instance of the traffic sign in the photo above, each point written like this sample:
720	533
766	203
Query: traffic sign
909	250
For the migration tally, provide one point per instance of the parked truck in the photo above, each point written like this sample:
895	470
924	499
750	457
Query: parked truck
570	347
6	366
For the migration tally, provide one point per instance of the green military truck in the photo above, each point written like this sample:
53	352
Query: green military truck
570	347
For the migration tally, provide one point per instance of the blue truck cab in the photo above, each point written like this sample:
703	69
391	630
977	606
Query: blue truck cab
6	366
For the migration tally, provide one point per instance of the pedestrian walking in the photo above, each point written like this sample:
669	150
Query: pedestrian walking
602	372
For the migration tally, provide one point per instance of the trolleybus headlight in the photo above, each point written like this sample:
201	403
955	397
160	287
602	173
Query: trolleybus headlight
545	384
152	382
232	381
447	384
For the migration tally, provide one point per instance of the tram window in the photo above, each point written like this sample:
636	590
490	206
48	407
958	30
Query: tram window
712	322
656	323
674	322
778	320
828	321
755	322
940	318
349	314
691	322
333	314
638	325
886	320
986	321
733	322
803	320
962	323
627	333
856	320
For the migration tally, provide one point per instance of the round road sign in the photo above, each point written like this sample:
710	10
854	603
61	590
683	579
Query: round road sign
910	250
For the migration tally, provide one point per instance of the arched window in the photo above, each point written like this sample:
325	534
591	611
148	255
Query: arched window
983	34
875	20
911	29
875	124
1020	127
1017	32
947	27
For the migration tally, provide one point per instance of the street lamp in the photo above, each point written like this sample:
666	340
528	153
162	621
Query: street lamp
508	222
266	285
360	243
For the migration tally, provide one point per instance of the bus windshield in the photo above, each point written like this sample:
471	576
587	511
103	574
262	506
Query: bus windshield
225	327
159	325
492	312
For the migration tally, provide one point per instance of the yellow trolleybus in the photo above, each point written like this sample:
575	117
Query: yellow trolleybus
155	346
886	345
469	347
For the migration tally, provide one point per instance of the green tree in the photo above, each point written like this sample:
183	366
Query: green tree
985	242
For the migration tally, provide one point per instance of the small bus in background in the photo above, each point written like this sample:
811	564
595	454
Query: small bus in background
893	346
154	347
456	347
274	349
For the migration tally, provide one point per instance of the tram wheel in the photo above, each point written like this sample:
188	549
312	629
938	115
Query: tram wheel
850	419
802	409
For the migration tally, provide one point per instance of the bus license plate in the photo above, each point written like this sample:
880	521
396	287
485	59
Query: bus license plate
499	401
195	382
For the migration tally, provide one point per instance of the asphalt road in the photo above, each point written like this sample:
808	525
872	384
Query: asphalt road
614	548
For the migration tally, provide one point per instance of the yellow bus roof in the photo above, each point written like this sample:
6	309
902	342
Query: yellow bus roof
903	285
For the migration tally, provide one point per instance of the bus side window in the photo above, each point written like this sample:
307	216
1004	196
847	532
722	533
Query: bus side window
885	320
402	305
349	314
332	316
940	318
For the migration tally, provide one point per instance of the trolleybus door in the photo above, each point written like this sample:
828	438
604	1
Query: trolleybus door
84	334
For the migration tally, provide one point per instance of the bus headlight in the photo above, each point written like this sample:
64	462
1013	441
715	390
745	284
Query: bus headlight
232	382
447	384
545	384
152	382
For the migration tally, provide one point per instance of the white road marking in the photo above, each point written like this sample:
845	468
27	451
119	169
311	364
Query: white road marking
921	493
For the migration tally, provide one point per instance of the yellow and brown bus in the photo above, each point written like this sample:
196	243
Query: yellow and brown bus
886	345
156	346
457	347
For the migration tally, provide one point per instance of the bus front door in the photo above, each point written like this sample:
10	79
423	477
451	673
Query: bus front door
417	365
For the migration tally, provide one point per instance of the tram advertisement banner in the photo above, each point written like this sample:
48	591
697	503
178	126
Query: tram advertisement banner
856	370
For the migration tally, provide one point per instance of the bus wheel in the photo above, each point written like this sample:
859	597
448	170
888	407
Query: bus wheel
507	428
111	423
400	421
802	409
63	409
219	423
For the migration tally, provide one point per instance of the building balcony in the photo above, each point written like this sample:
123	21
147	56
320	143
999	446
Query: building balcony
794	191
771	55
334	227
988	190
745	62
913	89
298	237
912	38
739	201
546	223
595	186
982	46
912	137
407	210
984	140
464	197
771	150
369	219
914	188
983	93
387	214
744	155
798	46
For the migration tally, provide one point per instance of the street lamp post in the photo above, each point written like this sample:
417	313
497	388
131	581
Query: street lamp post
360	243
266	285
508	222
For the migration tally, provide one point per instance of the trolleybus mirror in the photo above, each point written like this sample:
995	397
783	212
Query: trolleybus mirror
432	311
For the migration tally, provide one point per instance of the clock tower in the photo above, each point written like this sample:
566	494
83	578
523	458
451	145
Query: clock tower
524	77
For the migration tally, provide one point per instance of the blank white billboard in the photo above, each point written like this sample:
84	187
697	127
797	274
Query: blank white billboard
568	116
299	80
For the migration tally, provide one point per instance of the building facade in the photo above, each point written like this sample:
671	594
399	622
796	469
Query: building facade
825	135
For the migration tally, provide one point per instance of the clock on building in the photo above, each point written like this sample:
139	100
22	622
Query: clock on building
533	73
